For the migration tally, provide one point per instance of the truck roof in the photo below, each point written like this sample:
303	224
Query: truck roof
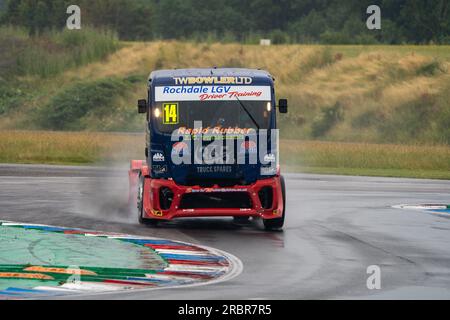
256	74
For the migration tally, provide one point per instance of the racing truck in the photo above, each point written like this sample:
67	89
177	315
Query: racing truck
211	147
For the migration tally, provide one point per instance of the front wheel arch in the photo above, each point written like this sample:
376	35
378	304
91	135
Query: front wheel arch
277	223
140	203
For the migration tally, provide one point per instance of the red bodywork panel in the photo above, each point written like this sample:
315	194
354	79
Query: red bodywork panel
153	210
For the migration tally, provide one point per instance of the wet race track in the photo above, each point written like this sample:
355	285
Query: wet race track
336	227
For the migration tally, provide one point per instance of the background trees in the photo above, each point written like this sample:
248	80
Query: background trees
310	21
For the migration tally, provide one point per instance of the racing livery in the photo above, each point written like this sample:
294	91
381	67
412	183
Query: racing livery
211	147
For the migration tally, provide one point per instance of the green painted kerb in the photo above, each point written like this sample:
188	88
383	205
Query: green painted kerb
21	247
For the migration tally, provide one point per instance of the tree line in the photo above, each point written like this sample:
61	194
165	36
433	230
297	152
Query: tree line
283	21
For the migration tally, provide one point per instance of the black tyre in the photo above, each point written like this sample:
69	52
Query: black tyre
277	223
140	205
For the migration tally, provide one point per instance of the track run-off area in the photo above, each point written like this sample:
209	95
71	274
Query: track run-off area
336	227
40	261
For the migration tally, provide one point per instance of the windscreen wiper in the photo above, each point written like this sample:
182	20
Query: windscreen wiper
248	113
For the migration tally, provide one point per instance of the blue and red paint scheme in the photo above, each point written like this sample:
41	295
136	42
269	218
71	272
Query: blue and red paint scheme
152	207
254	194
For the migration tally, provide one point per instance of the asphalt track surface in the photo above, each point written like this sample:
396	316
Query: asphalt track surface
336	227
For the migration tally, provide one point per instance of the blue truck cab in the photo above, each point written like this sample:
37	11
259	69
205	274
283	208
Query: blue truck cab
211	145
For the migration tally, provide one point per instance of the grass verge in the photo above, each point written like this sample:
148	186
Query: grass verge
78	148
373	93
372	172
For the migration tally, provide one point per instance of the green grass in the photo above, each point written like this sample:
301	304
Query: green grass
90	105
374	172
76	148
59	51
84	148
54	52
367	95
357	93
30	67
435	51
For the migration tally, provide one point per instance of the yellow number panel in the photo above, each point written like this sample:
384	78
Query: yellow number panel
170	113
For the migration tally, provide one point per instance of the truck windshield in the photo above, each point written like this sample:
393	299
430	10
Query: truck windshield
169	116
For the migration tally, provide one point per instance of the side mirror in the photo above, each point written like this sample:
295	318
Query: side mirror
142	106
283	105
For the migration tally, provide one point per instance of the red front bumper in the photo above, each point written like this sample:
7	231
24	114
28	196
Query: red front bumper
152	208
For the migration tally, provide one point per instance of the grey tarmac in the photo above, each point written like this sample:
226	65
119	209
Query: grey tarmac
336	227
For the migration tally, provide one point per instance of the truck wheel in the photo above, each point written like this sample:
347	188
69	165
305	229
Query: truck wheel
140	205
277	223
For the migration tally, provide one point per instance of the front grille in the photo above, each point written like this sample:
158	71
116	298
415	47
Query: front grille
226	200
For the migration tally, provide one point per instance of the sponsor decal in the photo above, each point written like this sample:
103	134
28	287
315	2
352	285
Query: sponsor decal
266	171
179	147
206	190
249	146
212	80
158	157
214	169
203	93
159	169
218	130
270	157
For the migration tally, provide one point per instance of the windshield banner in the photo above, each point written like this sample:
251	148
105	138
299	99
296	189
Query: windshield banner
205	93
